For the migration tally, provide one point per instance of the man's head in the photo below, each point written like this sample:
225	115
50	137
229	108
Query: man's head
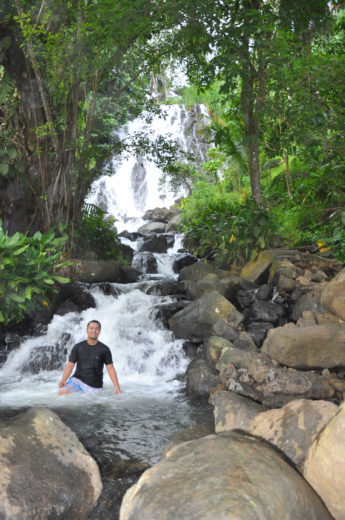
93	330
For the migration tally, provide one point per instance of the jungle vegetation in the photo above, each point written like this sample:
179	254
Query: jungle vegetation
270	73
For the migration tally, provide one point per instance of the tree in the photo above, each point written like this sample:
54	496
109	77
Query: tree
69	65
243	39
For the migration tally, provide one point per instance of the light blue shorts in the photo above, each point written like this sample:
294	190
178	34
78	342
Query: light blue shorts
75	385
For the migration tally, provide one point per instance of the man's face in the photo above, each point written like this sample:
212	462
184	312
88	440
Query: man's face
93	331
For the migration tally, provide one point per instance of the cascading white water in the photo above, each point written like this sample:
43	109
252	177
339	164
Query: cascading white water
134	186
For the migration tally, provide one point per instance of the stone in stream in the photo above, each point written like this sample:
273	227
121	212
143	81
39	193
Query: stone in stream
45	472
196	320
233	411
226	476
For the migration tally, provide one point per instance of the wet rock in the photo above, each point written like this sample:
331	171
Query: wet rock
92	271
128	274
222	476
324	466
245	298
47	357
165	311
66	307
258	331
195	321
199	270
158	244
77	293
264	292
152	228
307	347
127	253
45	472
132	236
201	377
266	311
160	214
233	411
294	427
183	260
146	263
163	288
173	223
191	349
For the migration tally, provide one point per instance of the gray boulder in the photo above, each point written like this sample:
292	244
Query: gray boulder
45	472
196	320
201	378
294	427
233	411
225	477
324	466
307	347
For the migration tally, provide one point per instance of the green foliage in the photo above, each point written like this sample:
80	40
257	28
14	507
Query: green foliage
97	234
27	272
225	228
331	237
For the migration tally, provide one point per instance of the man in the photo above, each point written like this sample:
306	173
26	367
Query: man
90	355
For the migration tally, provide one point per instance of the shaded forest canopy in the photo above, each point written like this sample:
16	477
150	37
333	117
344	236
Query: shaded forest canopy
270	73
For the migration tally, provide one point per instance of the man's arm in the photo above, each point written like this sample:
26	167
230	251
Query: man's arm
113	377
67	372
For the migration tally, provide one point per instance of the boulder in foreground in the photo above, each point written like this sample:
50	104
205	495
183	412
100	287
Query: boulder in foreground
227	476
45	472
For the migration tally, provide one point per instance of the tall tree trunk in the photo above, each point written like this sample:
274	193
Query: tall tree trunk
252	133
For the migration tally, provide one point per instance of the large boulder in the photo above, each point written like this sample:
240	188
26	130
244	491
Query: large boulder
158	244
294	427
307	347
333	295
152	228
92	271
227	476
195	321
233	411
324	466
45	472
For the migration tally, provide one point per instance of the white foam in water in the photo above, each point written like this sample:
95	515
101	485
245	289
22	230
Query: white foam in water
146	356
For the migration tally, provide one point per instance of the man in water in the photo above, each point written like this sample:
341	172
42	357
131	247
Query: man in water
90	355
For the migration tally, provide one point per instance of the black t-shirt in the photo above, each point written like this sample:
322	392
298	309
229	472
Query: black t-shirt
90	360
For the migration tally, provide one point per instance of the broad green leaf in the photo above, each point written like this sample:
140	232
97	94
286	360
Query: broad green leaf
4	167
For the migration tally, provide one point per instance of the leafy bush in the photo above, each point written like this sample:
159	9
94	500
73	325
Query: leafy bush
98	234
27	272
225	228
332	235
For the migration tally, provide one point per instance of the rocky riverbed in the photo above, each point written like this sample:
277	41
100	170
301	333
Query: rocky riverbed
267	351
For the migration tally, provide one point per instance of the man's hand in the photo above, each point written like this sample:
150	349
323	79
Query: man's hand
117	391
62	384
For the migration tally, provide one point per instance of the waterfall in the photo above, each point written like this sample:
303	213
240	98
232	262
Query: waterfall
134	186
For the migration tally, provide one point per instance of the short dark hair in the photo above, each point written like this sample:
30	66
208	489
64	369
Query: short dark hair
94	321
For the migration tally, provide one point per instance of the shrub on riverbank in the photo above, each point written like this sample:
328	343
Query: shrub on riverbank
28	272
